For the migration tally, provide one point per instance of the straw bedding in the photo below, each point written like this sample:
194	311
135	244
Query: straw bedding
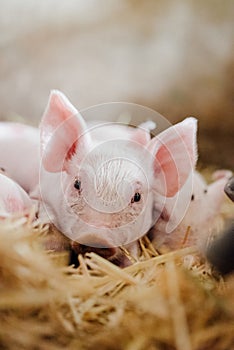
162	302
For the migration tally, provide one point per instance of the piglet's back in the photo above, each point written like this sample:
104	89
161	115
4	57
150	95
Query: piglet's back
19	153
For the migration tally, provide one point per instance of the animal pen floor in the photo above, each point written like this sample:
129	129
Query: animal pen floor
160	302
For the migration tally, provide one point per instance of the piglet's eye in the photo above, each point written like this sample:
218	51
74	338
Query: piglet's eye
77	184
136	197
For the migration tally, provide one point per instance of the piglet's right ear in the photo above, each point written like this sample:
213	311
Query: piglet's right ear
175	155
61	129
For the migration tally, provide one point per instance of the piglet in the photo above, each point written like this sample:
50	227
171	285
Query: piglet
19	154
98	183
179	226
13	199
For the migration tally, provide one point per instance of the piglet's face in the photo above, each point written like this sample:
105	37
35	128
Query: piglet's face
110	193
108	186
205	200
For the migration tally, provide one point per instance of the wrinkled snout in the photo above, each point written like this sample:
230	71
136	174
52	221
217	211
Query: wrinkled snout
229	188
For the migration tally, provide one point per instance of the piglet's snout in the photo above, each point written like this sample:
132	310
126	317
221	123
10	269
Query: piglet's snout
99	221
94	240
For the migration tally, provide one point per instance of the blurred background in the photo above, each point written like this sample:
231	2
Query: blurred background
173	56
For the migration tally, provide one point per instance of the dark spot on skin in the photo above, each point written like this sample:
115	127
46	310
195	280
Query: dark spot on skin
192	197
3	170
205	191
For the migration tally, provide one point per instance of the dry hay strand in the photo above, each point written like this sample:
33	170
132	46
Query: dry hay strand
156	303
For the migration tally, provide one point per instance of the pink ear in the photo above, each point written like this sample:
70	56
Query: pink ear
140	136
175	155
61	127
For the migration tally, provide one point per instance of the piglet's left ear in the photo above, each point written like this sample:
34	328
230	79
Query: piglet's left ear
141	134
175	153
61	129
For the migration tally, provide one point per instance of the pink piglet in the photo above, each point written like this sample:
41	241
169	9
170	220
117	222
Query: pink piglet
181	226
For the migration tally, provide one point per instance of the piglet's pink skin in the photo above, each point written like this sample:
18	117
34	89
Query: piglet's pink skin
99	184
19	153
90	175
176	228
13	199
